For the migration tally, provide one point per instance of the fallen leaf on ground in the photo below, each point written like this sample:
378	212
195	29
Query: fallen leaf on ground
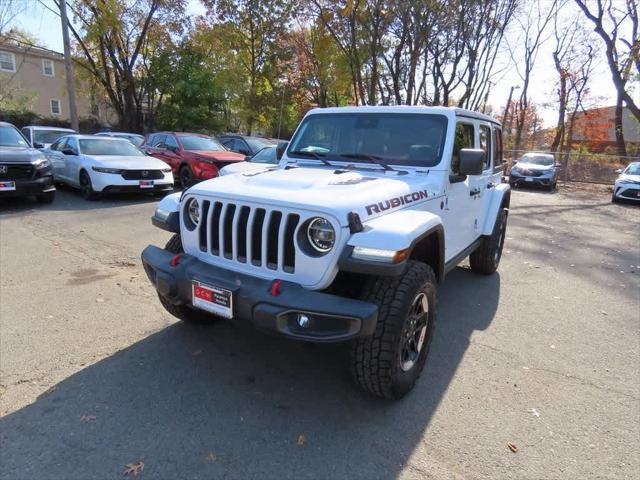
196	353
212	457
301	441
534	412
134	468
512	447
87	418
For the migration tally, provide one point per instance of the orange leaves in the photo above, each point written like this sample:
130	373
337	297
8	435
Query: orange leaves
134	469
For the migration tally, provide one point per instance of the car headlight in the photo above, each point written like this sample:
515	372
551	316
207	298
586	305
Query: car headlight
321	234
42	164
115	171
193	211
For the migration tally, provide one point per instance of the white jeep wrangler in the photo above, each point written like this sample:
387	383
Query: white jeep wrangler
347	238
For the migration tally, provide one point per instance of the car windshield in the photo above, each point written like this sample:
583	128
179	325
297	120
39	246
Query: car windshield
132	137
393	138
633	169
545	160
258	144
10	137
266	155
200	143
48	136
103	146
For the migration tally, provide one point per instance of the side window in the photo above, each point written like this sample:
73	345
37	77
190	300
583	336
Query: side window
226	142
158	141
497	147
464	138
59	144
27	134
170	142
72	143
485	144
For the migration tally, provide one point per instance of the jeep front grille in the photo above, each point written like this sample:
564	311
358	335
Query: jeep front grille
262	237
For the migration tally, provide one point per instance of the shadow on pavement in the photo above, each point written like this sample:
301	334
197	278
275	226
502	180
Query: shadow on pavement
227	402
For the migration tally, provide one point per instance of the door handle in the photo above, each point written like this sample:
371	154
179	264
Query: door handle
491	185
474	192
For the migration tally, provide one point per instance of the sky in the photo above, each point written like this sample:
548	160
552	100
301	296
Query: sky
45	26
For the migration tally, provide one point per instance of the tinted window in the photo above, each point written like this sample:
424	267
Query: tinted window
170	142
395	138
157	141
464	138
266	155
47	136
258	144
485	144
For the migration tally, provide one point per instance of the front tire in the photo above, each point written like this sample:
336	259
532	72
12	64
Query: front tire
186	176
86	187
183	312
486	258
388	363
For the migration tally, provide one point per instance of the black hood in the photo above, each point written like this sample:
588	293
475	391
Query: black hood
19	154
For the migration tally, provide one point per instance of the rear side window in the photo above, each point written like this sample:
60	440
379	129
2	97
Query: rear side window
485	144
497	147
464	138
170	142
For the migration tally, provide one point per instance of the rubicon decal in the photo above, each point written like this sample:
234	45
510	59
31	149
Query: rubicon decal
396	202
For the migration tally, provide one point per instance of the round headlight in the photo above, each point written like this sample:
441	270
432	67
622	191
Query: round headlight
193	210
321	234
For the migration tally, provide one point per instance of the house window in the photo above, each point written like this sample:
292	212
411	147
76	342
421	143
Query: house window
7	62
47	68
55	106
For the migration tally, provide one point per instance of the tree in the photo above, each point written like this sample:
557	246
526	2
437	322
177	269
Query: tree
617	27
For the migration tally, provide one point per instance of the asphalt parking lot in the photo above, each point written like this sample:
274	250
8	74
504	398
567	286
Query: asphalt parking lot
544	355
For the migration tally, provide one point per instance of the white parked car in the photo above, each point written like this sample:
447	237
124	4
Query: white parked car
263	160
627	186
100	165
347	239
41	137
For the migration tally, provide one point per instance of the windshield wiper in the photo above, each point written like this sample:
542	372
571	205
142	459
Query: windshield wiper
368	158
315	155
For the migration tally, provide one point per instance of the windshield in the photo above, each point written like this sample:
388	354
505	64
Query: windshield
258	144
266	155
200	143
633	169
393	138
48	136
102	146
545	160
10	137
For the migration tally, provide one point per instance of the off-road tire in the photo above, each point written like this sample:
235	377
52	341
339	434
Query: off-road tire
183	312
86	188
376	360
47	197
486	258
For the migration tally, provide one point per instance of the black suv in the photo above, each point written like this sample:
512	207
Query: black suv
244	144
23	170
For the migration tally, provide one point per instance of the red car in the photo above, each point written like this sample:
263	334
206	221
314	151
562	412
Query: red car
193	157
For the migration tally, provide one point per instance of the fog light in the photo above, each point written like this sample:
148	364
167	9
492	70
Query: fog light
303	320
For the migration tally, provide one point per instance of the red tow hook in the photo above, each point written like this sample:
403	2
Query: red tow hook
175	260
275	288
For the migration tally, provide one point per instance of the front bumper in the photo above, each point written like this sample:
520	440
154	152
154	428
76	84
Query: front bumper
517	180
332	318
167	187
32	186
627	191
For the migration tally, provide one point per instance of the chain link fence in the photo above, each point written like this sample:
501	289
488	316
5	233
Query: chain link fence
581	167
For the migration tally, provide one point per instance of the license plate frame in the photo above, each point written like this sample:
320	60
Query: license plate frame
146	184
528	179
7	186
212	299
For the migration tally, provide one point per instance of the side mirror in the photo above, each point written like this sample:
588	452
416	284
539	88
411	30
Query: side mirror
471	161
282	146
68	151
38	145
619	170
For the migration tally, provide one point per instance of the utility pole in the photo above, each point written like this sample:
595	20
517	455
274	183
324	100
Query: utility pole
71	93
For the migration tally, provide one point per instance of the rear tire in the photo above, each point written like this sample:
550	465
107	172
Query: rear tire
183	312
47	198
388	363
486	258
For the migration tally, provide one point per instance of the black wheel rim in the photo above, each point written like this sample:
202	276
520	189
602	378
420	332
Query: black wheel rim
415	332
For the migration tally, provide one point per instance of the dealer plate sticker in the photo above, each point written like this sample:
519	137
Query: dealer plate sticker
7	186
528	179
146	183
212	299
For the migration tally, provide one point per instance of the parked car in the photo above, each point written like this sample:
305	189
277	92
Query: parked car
535	169
263	160
24	170
192	156
627	185
134	138
245	144
100	165
347	239
42	137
